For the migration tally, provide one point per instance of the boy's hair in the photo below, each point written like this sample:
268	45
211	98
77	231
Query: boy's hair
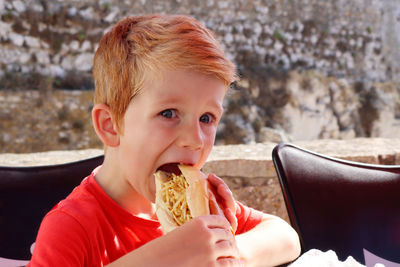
140	46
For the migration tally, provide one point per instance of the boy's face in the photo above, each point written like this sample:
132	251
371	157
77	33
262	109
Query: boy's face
172	120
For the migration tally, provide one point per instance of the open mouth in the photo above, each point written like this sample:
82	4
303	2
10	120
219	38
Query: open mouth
170	168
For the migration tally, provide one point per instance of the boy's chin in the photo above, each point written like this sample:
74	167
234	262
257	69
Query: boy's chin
152	199
151	196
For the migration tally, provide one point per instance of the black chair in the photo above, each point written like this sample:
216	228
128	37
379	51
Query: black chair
27	194
341	205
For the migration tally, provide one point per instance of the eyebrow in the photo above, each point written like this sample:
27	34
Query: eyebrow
176	99
218	106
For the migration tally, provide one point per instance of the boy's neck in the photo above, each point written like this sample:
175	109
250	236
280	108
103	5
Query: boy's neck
126	197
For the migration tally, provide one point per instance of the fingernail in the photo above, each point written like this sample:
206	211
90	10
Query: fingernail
233	233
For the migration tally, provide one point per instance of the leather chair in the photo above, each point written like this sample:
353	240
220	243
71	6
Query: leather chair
26	195
339	205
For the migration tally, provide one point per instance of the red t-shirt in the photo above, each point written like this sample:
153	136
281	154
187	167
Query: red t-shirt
88	228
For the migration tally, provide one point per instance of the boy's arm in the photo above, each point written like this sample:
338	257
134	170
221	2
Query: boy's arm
203	241
272	242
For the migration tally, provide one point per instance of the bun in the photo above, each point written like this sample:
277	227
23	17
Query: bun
180	198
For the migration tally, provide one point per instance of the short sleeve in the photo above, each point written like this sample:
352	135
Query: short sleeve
61	241
247	218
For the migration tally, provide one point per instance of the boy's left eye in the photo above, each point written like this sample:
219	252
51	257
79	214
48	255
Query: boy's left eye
168	113
206	118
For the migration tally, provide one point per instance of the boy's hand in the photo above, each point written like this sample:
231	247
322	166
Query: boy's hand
224	198
203	241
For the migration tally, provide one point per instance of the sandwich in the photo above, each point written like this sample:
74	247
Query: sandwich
182	195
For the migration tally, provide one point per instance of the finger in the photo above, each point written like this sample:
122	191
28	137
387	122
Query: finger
213	221
222	234
227	196
223	191
222	230
214	207
232	219
216	210
230	261
229	212
226	246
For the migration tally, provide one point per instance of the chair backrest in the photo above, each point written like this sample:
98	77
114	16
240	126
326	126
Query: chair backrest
27	194
341	205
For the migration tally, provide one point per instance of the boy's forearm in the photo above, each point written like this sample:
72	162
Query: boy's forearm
142	256
272	242
130	259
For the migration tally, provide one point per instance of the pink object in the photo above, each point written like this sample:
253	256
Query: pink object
12	263
372	260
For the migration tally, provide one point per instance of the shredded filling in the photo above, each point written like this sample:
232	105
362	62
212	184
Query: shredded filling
173	193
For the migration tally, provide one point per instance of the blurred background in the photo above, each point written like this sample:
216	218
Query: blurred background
310	69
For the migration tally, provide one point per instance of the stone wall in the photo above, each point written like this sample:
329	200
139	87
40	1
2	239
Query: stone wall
33	121
354	39
247	169
310	69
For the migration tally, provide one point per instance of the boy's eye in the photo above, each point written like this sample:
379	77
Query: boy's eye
206	118
168	113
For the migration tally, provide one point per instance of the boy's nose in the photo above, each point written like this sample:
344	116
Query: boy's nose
191	136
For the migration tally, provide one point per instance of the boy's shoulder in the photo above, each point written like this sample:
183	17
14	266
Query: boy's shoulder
81	204
71	228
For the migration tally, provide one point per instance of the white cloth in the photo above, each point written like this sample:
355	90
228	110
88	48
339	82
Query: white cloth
317	258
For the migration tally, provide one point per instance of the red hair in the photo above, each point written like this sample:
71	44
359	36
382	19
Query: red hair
143	45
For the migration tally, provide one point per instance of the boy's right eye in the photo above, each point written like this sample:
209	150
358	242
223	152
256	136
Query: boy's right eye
168	113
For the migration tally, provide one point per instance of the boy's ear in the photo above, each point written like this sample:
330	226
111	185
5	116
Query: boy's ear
104	125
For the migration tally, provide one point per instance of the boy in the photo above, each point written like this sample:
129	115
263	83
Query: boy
160	81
